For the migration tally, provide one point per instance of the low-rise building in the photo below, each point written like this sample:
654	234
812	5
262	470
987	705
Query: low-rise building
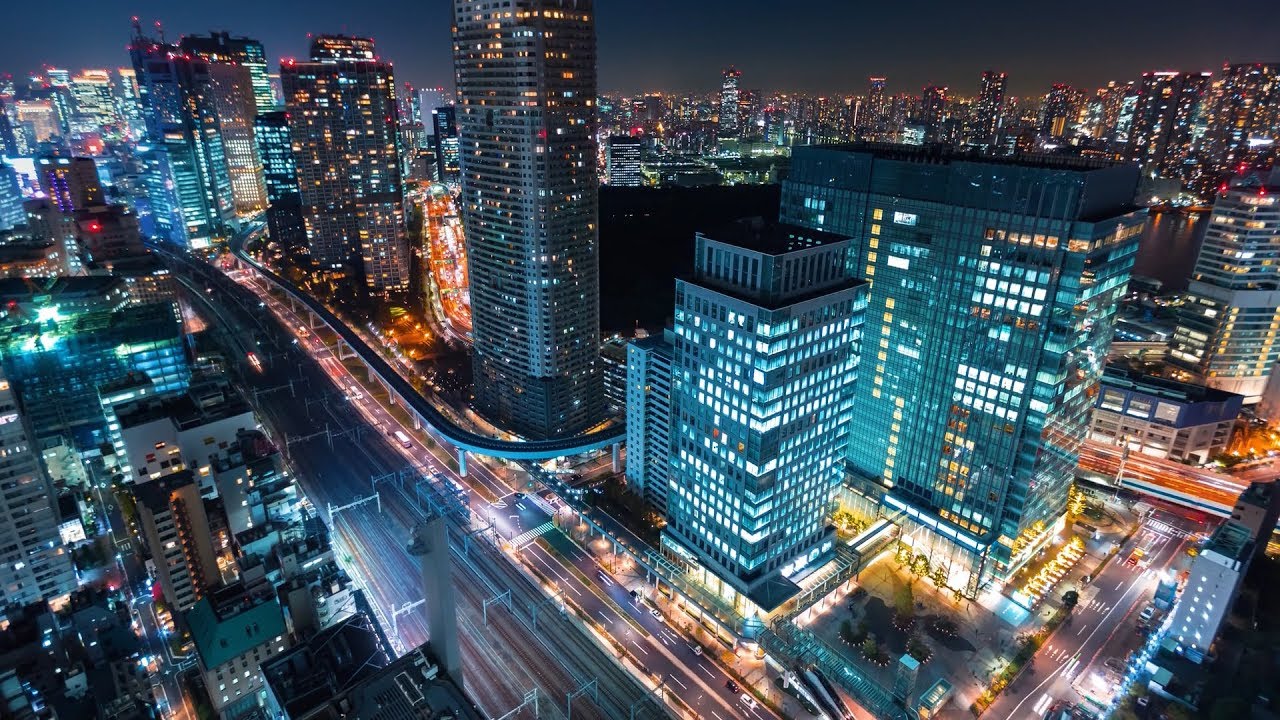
1210	590
1163	417
235	632
1258	508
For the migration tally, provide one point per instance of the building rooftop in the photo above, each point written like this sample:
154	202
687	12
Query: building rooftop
309	676
154	495
207	400
414	686
1231	540
941	154
223	633
770	237
1130	378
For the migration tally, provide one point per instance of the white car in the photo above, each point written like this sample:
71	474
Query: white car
749	701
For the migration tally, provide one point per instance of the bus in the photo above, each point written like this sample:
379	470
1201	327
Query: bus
404	439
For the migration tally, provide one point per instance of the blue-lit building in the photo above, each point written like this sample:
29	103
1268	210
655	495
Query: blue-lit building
444	140
12	213
280	173
765	348
61	339
994	286
649	418
184	162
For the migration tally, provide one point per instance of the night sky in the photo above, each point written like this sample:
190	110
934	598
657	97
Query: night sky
824	46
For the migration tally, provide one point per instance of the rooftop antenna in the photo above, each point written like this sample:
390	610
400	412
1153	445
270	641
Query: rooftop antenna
160	31
137	27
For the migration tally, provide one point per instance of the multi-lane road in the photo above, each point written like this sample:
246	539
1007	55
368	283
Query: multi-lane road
374	547
1083	661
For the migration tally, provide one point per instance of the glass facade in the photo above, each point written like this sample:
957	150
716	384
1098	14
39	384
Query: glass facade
993	293
765	350
280	176
64	341
185	162
1226	332
649	418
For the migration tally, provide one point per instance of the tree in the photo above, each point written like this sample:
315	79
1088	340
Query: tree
920	565
917	649
1075	501
940	576
1069	600
904	602
870	648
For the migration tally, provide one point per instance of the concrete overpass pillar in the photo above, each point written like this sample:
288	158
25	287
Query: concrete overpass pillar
417	421
391	396
314	321
462	462
369	369
617	457
431	548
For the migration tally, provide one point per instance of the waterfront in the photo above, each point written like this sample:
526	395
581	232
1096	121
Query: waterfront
1168	248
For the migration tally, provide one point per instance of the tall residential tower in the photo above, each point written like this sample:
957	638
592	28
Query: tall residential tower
344	121
526	79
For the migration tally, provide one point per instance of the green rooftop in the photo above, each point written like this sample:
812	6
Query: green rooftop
220	639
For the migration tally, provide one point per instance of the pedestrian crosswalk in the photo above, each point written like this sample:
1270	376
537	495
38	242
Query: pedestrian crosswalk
1069	659
528	536
1165	528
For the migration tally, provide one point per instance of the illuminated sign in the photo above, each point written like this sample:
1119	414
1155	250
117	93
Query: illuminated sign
8	418
901	218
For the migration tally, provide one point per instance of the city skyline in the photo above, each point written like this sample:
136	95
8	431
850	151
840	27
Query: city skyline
645	53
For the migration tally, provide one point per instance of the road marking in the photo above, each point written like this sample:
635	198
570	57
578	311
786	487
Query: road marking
601	614
1042	704
1120	585
1082	629
633	642
676	680
704	669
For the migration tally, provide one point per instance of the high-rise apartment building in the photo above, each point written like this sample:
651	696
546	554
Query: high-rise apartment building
994	288
175	527
649	419
1243	120
344	120
222	47
933	113
729	124
1162	136
444	139
989	111
765	348
129	103
1061	111
33	563
877	115
1225	336
280	179
527	126
622	161
71	184
185	161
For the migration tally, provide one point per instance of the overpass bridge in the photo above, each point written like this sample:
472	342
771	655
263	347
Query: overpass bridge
399	390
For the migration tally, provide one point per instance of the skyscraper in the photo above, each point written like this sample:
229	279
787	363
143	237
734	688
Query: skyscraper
221	47
185	163
12	213
994	288
33	564
1225	336
622	160
344	120
233	63
70	183
527	126
1243	120
990	108
649	419
729	125
1162	134
933	113
1061	110
444	139
877	116
766	338
95	107
280	177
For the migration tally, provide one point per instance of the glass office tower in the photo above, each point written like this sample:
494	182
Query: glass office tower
765	349
993	295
